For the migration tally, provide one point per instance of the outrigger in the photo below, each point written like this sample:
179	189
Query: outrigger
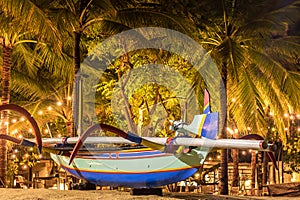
138	162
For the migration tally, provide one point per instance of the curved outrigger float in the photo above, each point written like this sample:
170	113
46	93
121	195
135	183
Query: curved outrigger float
142	162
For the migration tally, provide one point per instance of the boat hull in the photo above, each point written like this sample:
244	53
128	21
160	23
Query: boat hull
140	168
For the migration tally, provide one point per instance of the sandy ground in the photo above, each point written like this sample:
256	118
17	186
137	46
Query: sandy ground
48	194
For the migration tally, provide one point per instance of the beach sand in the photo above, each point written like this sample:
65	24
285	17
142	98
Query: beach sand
50	194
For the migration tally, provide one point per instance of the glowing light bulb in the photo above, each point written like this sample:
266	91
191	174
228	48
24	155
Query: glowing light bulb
286	115
30	130
14	120
229	130
271	113
49	108
59	103
40	112
233	100
20	136
22	119
69	98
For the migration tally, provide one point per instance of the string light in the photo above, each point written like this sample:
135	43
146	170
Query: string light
298	129
271	113
13	121
69	98
233	100
24	167
22	119
15	131
298	116
249	128
20	136
40	112
229	130
30	130
292	117
286	115
49	108
59	103
244	152
16	150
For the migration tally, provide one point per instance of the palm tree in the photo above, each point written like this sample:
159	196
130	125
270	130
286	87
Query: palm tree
16	30
243	38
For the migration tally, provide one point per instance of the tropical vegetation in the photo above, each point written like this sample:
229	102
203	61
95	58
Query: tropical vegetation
255	45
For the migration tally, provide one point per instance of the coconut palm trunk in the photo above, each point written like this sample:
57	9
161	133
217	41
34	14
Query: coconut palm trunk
224	152
77	115
253	169
6	70
235	160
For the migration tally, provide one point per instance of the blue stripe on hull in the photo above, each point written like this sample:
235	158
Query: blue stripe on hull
134	180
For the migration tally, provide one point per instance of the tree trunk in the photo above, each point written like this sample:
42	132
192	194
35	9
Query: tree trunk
77	115
253	167
235	160
259	172
6	71
265	169
224	152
